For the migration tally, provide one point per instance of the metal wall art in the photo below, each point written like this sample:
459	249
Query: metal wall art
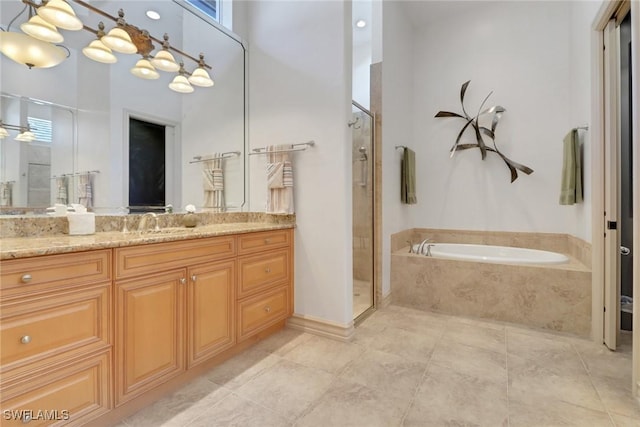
474	122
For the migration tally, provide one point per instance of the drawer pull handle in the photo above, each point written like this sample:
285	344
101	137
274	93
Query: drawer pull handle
26	418
267	270
183	281
25	339
193	278
26	278
267	309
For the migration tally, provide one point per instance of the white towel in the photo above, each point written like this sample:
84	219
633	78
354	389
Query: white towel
275	175
280	199
213	183
85	190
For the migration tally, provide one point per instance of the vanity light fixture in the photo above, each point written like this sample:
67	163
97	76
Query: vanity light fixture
60	14
42	30
180	82
164	60
30	51
98	51
118	39
145	70
200	77
25	135
24	132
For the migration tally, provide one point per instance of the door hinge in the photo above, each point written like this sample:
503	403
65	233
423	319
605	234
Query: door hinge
612	225
604	309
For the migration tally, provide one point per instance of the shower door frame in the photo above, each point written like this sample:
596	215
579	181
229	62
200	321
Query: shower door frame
374	241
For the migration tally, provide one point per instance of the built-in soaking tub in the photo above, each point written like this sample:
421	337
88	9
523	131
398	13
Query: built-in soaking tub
540	280
490	253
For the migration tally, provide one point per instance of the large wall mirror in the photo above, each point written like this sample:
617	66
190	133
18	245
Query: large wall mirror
116	140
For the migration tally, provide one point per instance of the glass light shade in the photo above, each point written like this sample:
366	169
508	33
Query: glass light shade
119	40
3	133
60	14
42	30
99	52
181	84
165	61
30	51
26	136
201	78
145	70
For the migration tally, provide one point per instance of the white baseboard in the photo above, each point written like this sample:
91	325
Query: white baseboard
321	327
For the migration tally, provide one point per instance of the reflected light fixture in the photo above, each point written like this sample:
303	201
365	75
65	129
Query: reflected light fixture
164	60
361	23
60	14
180	82
24	132
42	30
145	70
98	51
200	77
25	135
118	39
152	14
3	132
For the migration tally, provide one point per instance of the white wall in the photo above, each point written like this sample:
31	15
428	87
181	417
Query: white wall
397	121
361	74
523	52
300	90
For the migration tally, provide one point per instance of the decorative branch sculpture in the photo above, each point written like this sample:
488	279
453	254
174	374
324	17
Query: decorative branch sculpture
474	122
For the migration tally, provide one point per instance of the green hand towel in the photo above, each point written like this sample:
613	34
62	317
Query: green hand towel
571	188
408	177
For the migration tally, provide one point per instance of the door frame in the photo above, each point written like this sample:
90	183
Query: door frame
608	9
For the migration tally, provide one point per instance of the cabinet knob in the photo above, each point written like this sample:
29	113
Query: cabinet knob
26	417
267	309
193	278
26	278
267	270
25	339
183	281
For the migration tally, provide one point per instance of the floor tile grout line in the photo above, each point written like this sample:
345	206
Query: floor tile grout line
423	377
586	369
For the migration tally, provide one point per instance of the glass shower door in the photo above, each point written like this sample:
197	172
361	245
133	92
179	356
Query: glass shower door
362	193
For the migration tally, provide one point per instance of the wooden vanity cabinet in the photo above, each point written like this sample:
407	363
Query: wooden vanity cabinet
56	335
170	319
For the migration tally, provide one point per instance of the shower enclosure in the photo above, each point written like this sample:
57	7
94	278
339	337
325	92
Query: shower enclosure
362	167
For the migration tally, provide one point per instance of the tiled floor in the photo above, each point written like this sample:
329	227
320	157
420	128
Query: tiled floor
406	367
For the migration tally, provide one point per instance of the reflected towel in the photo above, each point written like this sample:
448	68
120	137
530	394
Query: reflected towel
213	184
6	193
280	200
62	195
85	190
408	177
571	187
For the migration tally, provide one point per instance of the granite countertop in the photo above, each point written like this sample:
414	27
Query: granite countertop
22	247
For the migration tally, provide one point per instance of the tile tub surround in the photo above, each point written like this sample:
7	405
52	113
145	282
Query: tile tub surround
556	297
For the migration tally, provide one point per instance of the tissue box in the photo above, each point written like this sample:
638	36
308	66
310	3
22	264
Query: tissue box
81	223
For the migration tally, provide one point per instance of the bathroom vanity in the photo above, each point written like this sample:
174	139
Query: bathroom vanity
96	329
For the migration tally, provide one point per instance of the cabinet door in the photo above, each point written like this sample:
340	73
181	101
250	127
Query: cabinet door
149	332
211	310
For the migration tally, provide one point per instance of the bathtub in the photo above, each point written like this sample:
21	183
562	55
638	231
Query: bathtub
496	254
541	283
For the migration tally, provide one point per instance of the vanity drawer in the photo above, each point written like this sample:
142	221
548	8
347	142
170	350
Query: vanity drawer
145	259
266	240
53	272
71	394
260	272
261	311
39	328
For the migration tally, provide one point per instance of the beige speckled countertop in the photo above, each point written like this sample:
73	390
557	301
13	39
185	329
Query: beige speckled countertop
20	246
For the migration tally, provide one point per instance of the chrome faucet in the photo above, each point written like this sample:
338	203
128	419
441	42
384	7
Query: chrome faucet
142	225
422	248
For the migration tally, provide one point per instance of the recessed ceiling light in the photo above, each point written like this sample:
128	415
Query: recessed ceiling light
152	14
361	23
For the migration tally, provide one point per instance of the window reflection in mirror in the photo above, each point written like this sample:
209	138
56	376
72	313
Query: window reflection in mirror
103	97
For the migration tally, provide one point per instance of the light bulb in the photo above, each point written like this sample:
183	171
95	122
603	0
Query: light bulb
181	84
